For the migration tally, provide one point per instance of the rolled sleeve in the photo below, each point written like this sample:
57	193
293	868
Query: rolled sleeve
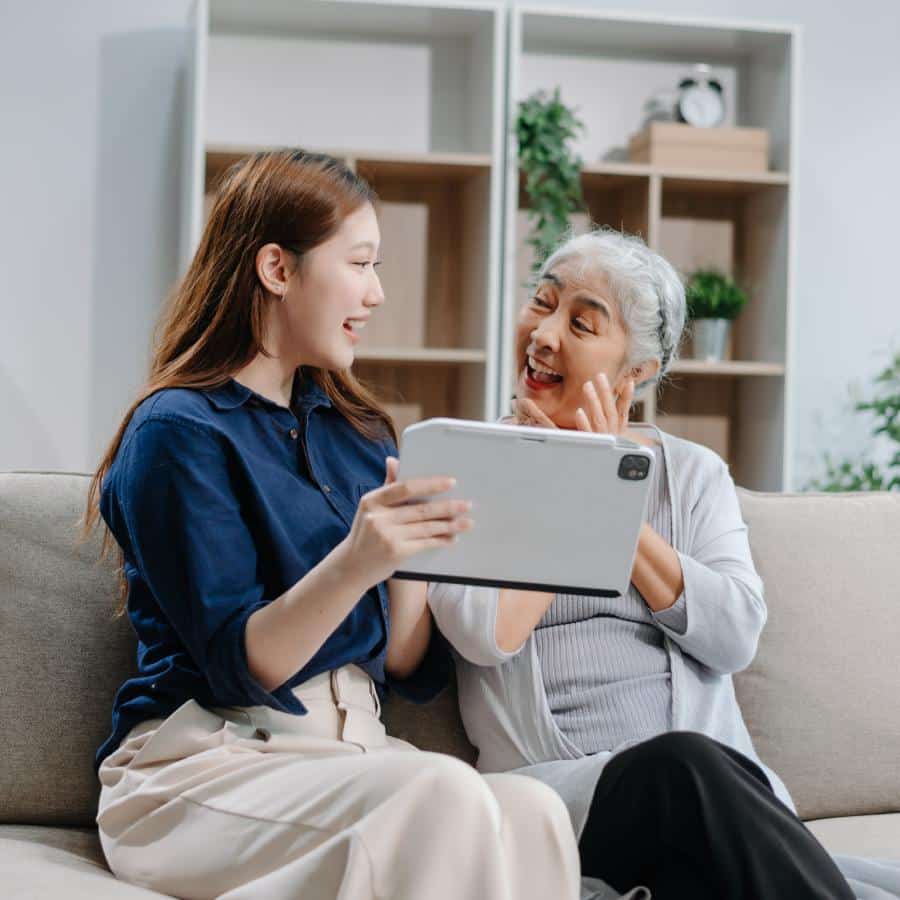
467	615
674	618
196	553
723	605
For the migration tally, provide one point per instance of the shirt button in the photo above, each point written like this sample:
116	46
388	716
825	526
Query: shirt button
326	488
293	434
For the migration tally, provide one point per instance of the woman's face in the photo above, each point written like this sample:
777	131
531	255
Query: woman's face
334	289
572	326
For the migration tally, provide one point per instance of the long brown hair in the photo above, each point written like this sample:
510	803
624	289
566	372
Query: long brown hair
213	322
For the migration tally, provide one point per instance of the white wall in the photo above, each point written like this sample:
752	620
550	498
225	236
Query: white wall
89	153
89	169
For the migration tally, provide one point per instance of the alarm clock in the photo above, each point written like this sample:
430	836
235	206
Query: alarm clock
700	100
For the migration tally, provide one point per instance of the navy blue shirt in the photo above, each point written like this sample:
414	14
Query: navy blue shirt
222	500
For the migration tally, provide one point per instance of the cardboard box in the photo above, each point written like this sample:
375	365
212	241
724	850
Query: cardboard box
680	146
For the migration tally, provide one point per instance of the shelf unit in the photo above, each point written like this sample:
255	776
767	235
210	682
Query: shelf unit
421	100
410	96
606	65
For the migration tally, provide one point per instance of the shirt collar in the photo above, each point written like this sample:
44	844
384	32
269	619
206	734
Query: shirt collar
307	393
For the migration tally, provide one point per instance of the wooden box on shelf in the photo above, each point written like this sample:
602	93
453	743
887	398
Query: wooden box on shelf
676	145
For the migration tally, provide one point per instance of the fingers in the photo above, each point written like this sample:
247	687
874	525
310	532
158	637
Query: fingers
391	466
602	411
582	423
415	531
529	413
624	404
407	490
420	512
594	409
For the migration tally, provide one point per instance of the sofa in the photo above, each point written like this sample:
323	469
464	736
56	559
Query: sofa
821	699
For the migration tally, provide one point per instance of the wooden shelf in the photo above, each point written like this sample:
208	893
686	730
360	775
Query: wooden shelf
674	177
426	165
436	355
727	368
450	166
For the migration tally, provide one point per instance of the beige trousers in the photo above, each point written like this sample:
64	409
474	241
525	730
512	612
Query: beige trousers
253	803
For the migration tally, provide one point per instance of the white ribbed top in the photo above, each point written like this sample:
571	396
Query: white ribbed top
605	667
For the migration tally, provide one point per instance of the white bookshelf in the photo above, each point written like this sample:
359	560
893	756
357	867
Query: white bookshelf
607	64
421	99
410	96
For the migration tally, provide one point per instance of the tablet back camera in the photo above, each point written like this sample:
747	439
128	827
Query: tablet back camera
634	468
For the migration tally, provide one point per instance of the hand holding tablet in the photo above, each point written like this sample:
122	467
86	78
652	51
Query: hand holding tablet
554	509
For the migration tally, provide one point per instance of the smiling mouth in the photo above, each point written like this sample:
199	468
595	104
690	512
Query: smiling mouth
354	326
540	375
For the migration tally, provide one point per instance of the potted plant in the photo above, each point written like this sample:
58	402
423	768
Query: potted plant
713	302
866	473
544	128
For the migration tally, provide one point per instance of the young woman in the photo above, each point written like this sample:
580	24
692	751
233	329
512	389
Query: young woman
244	489
625	705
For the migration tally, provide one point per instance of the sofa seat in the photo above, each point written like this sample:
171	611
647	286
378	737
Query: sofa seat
38	862
875	836
63	657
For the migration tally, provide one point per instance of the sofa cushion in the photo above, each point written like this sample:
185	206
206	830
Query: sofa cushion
37	863
876	837
821	699
63	655
435	726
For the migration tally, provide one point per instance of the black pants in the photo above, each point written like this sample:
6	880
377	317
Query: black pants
691	818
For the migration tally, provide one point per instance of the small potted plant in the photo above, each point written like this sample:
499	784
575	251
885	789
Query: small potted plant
713	302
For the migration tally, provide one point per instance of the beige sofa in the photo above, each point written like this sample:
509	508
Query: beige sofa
822	699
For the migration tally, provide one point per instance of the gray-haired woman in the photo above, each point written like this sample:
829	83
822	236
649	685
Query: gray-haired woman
625	705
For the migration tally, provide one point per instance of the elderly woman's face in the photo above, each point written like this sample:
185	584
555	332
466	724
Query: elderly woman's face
572	326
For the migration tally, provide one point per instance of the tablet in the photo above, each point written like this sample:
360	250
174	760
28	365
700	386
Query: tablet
554	510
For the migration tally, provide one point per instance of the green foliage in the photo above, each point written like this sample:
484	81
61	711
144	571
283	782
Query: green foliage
544	127
712	295
863	474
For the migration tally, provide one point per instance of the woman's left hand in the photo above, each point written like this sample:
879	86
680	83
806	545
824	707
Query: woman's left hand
602	413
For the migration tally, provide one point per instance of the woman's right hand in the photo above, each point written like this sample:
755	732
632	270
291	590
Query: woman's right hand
392	523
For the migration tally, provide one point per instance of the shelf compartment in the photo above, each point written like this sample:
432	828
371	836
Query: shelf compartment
269	56
743	234
726	414
449	261
414	392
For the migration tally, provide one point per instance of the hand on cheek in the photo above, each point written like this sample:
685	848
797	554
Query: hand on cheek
604	413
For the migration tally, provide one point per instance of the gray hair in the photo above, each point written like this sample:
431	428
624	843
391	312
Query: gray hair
646	288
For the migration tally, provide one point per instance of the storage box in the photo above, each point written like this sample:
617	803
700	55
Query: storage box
681	146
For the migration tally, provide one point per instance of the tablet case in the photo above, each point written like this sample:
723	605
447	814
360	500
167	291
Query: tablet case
554	509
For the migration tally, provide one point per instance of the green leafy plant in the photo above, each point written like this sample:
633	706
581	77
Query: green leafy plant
865	474
544	127
712	295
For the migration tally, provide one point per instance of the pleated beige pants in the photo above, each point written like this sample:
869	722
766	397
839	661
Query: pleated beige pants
253	803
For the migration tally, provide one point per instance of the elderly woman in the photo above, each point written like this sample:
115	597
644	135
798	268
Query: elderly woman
625	705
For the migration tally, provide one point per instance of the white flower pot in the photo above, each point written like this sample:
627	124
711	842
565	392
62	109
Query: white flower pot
709	338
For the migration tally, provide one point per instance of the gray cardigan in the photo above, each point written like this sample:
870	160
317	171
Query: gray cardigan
502	701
